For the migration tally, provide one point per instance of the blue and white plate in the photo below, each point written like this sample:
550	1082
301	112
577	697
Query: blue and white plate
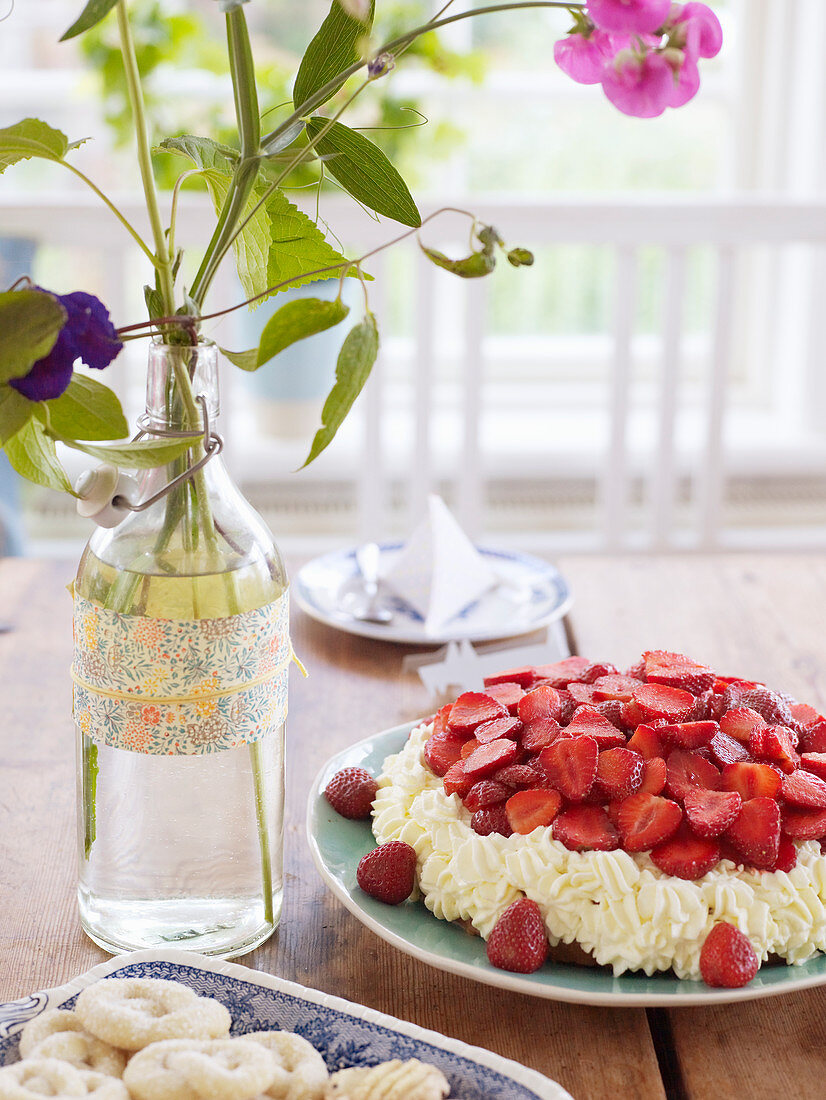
531	593
347	1034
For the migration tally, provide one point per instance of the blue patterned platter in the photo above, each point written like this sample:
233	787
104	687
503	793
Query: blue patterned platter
347	1034
531	593
338	844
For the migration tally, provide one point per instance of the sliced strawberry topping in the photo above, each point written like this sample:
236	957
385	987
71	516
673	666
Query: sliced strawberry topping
612	709
740	722
542	702
596	670
689	735
676	670
814	738
493	819
440	718
619	772
588	721
647	742
507	694
646	820
804	824
727	958
456	780
487	792
726	750
499	727
710	813
571	765
525	677
441	750
528	810
568	704
586	827
521	775
651	701
805	790
518	941
685	855
769	704
814	762
750	780
582	693
487	758
776	744
539	733
616	687
686	770
654	774
471	709
786	855
560	674
804	715
756	831
468	747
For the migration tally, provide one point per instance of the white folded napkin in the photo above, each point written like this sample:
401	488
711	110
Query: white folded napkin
439	571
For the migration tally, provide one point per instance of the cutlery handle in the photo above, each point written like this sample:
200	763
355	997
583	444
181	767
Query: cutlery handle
367	559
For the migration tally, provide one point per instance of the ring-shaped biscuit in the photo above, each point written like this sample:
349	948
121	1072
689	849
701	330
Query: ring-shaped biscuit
103	1087
301	1072
130	1013
35	1078
47	1023
83	1051
226	1069
393	1080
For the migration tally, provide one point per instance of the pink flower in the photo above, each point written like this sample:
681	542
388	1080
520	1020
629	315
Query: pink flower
641	85
583	57
629	16
686	77
703	33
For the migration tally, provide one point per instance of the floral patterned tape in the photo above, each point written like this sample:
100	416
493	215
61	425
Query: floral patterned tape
176	687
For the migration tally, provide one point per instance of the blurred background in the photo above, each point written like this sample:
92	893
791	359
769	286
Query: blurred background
654	381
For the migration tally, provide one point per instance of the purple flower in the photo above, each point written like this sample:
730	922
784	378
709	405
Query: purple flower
637	84
629	16
686	78
583	57
88	335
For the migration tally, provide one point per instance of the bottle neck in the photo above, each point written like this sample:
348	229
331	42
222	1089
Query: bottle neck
177	376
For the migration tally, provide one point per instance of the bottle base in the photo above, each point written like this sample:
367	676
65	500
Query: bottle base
221	930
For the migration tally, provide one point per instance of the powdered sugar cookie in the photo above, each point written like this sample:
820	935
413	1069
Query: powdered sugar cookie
394	1080
300	1070
130	1013
103	1087
186	1069
35	1078
83	1052
47	1023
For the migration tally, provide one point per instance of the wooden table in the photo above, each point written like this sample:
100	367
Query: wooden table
757	615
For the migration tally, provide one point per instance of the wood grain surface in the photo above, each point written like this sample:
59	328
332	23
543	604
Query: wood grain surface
758	616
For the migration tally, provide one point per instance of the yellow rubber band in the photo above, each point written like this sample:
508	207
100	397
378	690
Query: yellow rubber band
195	697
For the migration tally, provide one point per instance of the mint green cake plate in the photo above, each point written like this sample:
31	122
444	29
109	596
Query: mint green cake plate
337	845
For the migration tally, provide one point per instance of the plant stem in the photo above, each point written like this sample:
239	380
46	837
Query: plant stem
133	84
130	229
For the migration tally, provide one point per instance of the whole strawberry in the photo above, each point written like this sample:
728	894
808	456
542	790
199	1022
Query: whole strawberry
518	941
727	958
351	792
388	873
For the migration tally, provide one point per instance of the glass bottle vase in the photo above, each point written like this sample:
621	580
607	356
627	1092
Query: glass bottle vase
180	668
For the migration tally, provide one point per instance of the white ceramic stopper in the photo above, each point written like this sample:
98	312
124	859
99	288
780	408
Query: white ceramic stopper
104	495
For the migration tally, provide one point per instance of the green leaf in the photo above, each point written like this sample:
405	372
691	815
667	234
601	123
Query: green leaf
87	410
470	267
295	320
30	322
33	454
355	361
144	454
15	411
31	138
91	15
363	170
334	49
203	152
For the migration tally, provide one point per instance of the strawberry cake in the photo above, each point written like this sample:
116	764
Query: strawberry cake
636	810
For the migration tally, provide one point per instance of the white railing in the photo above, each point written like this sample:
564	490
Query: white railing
661	462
